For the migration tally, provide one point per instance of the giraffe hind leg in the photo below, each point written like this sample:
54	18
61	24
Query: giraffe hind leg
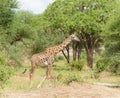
30	77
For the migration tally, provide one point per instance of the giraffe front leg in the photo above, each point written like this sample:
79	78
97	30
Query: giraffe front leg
50	62
31	74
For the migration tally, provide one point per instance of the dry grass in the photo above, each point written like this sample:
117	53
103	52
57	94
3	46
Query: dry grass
62	73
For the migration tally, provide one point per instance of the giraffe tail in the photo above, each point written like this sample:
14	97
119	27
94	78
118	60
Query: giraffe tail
24	71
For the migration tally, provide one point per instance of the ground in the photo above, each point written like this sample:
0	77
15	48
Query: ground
73	90
61	86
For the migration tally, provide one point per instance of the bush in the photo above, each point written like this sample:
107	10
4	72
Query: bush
101	65
111	64
5	73
114	64
77	64
73	77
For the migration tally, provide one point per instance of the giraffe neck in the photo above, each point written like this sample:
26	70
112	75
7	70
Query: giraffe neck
65	43
61	46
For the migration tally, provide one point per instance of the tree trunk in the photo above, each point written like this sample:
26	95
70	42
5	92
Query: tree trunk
90	58
74	46
89	41
68	53
79	50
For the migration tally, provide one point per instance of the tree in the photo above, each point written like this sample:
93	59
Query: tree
112	44
21	36
85	18
7	10
21	27
45	35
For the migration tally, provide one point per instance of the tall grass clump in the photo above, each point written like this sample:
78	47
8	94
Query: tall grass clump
77	65
73	78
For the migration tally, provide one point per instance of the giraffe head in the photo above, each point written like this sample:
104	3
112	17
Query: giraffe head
74	37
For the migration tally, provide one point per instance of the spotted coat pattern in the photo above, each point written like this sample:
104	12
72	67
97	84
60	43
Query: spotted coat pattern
46	58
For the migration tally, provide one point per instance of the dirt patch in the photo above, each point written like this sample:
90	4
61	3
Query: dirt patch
74	90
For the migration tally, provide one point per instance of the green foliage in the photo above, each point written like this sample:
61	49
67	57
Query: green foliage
77	64
71	16
19	38
7	8
112	43
61	68
57	58
59	77
46	34
73	78
45	39
101	65
7	11
21	27
14	56
85	18
114	64
5	73
110	59
22	32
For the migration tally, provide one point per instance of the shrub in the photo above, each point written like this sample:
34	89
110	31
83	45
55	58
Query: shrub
73	77
77	64
114	64
59	77
111	64
101	65
5	73
14	55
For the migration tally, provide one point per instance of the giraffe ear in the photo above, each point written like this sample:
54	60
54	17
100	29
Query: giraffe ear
72	36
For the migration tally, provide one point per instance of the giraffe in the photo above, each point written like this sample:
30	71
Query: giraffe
46	58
